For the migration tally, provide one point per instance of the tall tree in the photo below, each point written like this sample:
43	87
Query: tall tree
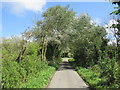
87	40
57	21
25	38
117	34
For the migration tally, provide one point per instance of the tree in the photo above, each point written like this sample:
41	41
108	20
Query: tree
117	34
25	38
87	40
56	24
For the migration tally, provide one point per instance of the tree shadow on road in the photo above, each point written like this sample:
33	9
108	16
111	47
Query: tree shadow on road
65	65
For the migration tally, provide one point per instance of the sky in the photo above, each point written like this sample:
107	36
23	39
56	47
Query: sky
18	16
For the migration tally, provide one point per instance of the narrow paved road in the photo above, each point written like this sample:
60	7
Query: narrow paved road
66	77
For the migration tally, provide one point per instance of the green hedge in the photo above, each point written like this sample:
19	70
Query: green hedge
14	74
40	80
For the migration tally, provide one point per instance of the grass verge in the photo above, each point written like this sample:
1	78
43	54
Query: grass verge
92	77
41	79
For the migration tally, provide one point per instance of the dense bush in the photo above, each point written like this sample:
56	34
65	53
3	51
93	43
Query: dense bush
110	70
55	63
40	80
10	74
94	79
22	74
88	41
104	74
90	50
14	74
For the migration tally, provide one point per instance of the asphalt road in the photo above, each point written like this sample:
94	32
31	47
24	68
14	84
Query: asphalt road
67	77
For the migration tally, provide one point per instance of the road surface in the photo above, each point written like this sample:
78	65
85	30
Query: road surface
67	77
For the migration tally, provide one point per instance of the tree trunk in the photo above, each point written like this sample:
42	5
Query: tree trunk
20	57
45	49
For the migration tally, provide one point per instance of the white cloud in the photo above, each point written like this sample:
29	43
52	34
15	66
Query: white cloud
92	22
19	7
112	42
97	21
111	31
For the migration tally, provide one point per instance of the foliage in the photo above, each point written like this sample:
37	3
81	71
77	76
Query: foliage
55	63
118	7
14	74
90	50
117	26
53	30
110	70
40	80
28	60
10	74
71	60
94	79
88	41
53	50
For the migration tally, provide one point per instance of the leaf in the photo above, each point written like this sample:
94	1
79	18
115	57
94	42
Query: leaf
115	12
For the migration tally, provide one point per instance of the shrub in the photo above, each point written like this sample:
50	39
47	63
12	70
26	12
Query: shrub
95	80
41	80
55	63
10	74
108	69
14	74
96	68
71	59
92	78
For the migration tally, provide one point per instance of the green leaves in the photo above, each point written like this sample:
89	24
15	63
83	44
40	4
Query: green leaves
115	12
27	74
15	74
59	33
40	80
58	19
92	78
87	40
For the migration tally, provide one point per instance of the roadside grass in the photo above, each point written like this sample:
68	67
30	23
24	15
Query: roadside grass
41	80
71	60
91	76
94	79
